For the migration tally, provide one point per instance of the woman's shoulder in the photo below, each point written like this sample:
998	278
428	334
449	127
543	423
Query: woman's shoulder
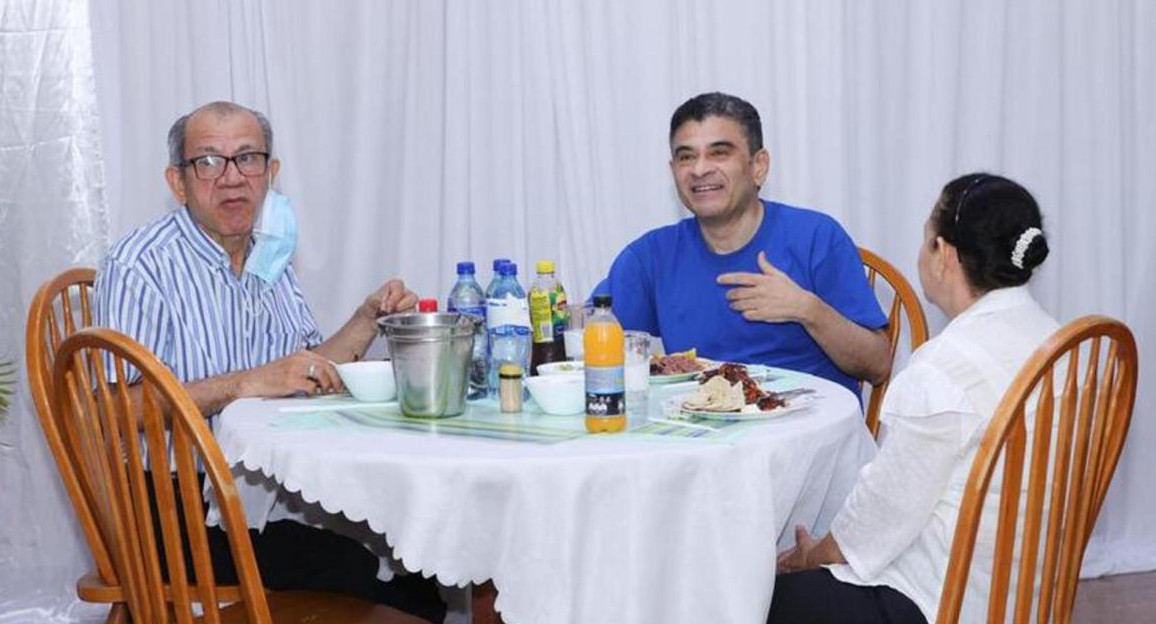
925	386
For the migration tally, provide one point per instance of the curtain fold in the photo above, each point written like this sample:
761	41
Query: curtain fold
52	216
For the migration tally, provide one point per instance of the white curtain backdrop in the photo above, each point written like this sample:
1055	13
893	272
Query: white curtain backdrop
52	216
416	133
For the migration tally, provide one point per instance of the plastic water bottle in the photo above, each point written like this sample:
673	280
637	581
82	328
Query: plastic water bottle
508	323
489	292
498	262
466	297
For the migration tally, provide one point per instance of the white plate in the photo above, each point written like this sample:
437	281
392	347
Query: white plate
795	404
758	372
669	379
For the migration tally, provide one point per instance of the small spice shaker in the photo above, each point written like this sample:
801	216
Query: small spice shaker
510	388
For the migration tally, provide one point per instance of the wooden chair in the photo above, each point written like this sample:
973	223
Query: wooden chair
106	429
60	307
1067	477
904	303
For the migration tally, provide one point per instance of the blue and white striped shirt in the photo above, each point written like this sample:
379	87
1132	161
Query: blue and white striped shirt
171	288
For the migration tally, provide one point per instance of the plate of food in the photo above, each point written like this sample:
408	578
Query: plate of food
676	367
729	393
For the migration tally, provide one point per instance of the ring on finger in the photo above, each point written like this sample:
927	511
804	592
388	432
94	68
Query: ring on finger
312	374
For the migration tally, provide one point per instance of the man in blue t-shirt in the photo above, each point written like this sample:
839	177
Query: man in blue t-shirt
748	280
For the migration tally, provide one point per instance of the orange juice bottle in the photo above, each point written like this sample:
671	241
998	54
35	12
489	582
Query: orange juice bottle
604	344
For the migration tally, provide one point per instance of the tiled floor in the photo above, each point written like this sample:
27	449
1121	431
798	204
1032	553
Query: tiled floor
1123	599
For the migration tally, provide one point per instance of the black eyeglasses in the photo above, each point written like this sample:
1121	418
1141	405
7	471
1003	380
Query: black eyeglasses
213	166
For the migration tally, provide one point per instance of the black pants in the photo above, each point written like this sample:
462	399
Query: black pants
817	597
291	555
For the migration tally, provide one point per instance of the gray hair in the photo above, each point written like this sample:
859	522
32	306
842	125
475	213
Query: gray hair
177	131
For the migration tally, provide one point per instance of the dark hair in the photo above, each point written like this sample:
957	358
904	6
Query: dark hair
986	217
717	104
177	130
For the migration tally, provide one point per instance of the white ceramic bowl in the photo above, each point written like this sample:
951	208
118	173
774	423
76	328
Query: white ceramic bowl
576	367
369	380
560	395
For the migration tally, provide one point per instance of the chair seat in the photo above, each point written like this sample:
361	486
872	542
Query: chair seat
309	607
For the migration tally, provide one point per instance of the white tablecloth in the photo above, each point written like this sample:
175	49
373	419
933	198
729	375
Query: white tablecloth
598	529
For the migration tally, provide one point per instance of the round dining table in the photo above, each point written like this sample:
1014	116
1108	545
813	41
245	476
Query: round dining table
674	521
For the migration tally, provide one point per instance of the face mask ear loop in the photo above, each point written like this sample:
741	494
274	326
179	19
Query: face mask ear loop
261	216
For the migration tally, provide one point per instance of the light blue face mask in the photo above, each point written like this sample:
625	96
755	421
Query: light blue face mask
276	238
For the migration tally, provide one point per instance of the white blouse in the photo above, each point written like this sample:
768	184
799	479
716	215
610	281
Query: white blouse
896	527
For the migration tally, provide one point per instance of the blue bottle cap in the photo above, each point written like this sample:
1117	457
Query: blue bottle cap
508	268
498	262
465	268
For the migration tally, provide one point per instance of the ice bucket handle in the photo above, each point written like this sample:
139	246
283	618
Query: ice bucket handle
422	323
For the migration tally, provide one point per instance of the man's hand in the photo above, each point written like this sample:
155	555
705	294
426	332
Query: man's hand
392	297
303	371
307	372
768	296
772	296
354	337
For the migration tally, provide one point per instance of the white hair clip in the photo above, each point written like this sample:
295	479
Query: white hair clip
1017	256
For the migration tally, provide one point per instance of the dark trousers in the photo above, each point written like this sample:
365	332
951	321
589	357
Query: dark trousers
817	597
291	555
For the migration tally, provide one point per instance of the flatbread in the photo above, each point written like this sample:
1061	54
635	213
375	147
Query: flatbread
716	395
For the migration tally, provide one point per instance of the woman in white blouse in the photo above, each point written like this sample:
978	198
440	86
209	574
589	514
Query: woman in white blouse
886	555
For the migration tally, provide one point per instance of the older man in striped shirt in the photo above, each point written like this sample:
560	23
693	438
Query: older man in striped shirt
229	318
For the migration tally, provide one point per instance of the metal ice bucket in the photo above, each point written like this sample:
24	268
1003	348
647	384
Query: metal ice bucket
431	361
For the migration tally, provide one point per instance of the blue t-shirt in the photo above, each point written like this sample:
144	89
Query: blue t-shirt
664	283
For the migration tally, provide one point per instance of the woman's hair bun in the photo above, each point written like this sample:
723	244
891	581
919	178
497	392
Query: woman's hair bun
996	226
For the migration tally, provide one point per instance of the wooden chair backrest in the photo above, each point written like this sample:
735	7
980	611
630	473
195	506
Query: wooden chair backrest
904	304
1088	411
61	307
107	429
